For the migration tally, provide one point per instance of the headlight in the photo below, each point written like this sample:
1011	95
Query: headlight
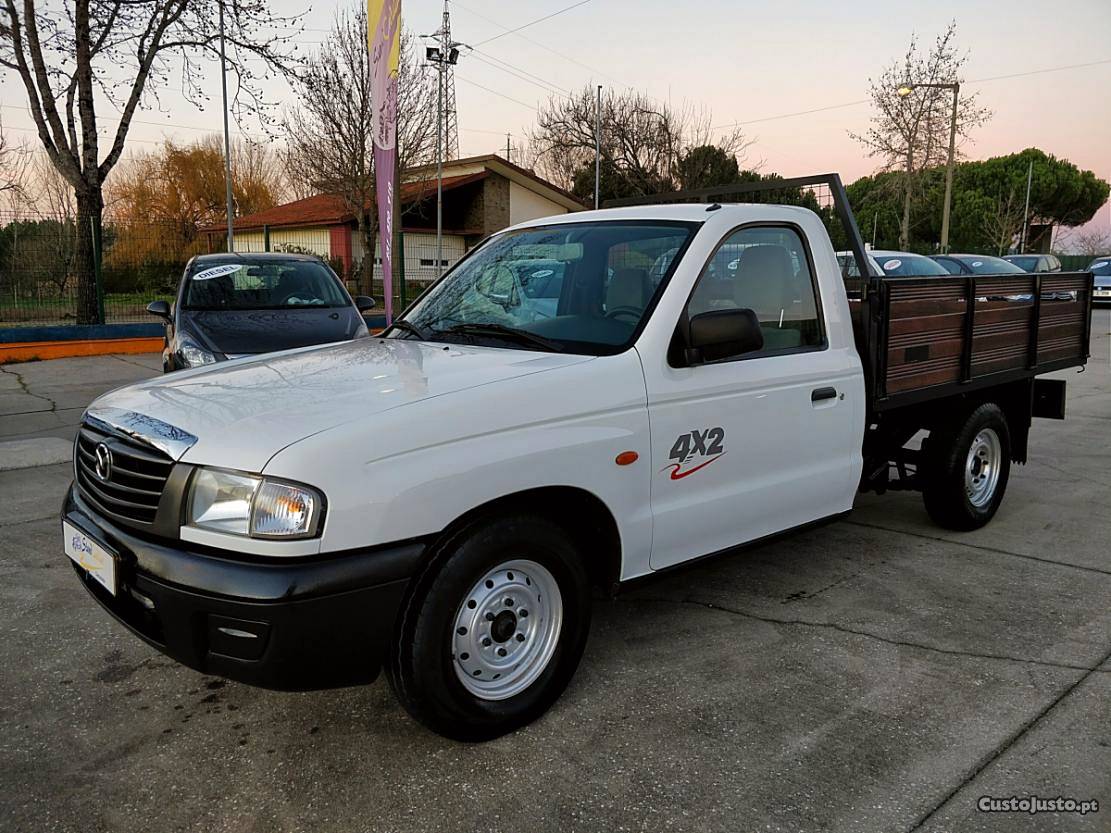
192	354
249	505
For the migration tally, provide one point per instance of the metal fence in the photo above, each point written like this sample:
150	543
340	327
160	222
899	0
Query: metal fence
143	262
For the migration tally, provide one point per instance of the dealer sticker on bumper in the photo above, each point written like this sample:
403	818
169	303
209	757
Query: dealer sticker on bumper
92	557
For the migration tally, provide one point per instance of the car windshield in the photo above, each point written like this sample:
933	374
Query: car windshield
1026	264
903	265
1100	267
988	265
575	287
244	284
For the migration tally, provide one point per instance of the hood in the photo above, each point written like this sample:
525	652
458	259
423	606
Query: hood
265	331
243	412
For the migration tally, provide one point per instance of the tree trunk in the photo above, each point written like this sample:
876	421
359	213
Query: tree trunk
90	206
904	226
366	227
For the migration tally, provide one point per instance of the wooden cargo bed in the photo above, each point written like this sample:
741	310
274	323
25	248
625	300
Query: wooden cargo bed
937	336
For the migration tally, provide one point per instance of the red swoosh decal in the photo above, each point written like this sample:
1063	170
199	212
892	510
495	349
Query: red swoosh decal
679	475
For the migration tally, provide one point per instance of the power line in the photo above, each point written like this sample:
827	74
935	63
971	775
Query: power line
865	101
535	42
516	71
533	22
150	123
495	92
1040	71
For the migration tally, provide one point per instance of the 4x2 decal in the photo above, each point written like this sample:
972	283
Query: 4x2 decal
695	450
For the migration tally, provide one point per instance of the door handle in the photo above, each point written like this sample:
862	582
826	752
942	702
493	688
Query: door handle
819	394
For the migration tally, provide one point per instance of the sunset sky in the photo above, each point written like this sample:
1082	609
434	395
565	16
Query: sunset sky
753	63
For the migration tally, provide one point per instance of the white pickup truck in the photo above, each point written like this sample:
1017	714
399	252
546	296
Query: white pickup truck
440	500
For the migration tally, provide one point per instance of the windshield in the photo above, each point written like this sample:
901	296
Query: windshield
906	265
261	284
987	265
1026	264
578	287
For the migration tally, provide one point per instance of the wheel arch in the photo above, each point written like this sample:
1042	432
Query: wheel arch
584	515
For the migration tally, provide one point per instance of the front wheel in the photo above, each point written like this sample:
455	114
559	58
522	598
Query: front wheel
493	630
969	464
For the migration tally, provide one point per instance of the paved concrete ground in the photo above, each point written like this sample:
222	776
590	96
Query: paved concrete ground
874	675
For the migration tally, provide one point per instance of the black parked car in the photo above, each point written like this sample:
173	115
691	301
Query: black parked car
234	305
978	265
1035	263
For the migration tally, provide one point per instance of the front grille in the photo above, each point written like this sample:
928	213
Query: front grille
137	476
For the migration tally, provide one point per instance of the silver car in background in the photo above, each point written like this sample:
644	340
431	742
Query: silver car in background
1101	271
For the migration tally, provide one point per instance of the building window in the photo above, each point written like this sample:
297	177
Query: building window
429	262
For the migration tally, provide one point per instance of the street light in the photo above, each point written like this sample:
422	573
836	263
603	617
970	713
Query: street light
955	86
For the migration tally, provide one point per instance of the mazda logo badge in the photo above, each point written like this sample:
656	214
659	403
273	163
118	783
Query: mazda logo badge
103	467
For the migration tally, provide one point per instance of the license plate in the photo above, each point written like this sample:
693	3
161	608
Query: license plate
92	557
1103	293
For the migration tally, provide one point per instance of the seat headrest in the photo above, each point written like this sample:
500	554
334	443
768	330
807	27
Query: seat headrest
764	280
628	288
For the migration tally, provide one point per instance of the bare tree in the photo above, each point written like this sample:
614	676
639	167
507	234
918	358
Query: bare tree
1091	243
911	131
14	163
329	136
642	140
72	58
47	193
1003	222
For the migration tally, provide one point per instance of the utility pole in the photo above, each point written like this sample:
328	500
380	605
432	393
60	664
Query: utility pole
949	172
507	159
1026	211
445	55
597	146
227	138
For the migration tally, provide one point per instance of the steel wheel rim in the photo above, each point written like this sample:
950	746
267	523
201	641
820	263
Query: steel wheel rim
506	629
981	471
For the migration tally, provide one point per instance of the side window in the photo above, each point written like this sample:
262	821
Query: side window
764	269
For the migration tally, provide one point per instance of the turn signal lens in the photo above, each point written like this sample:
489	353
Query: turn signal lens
284	511
626	458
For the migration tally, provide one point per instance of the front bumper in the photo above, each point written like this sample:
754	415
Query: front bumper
300	624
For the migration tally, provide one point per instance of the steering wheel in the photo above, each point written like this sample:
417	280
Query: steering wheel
633	312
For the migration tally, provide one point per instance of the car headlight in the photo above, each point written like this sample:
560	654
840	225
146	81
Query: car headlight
258	507
192	354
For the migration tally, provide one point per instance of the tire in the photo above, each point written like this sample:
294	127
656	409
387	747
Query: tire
969	462
471	677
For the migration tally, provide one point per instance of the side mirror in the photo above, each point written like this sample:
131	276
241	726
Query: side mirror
159	308
364	303
723	333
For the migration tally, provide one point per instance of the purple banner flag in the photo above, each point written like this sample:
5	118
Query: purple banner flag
384	33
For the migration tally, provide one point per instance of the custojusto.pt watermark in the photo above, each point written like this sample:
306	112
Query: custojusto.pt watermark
1033	804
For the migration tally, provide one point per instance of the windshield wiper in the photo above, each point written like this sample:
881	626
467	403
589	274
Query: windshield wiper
402	324
502	331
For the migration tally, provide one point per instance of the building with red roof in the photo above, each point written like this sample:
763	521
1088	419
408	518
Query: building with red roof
481	195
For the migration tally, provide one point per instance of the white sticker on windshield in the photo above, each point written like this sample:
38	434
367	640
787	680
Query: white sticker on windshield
892	264
977	263
1101	264
217	271
543	273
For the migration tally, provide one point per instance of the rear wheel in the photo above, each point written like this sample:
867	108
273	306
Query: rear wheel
969	462
493	630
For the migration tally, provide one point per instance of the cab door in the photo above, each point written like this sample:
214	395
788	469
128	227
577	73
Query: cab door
747	445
